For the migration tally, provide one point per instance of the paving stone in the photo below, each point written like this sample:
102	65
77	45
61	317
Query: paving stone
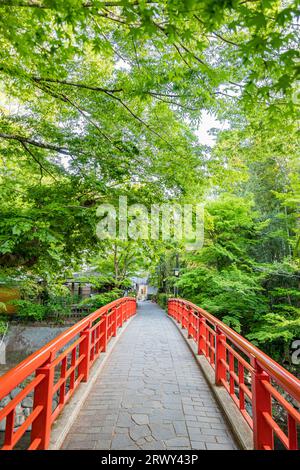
202	438
154	445
141	441
140	418
180	428
102	445
162	431
136	432
198	445
121	442
224	440
178	442
120	430
124	420
211	446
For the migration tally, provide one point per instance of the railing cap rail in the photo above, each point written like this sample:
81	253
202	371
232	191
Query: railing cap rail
284	378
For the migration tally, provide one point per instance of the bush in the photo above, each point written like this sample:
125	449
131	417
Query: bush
30	310
131	293
3	326
162	300
99	300
57	308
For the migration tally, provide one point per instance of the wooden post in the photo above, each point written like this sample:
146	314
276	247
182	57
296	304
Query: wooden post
84	348
261	403
43	395
220	369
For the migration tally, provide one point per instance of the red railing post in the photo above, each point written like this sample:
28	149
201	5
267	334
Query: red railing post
182	315
261	403
121	314
189	326
220	369
201	336
84	348
178	312
43	395
104	331
115	326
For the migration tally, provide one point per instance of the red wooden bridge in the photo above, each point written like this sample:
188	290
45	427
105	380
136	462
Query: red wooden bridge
151	394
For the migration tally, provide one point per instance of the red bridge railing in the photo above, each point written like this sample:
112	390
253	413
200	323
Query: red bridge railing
259	386
56	370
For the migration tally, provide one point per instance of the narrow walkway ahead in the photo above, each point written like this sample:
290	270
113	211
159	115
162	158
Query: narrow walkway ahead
150	395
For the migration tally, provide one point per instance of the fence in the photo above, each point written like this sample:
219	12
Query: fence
259	386
57	369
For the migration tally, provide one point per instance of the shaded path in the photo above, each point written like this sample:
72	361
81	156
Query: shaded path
150	395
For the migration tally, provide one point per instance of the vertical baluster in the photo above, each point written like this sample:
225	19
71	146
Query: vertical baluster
92	354
114	316
231	369
220	369
72	375
84	348
190	324
261	403
292	433
98	331
62	388
9	428
121	315
241	373
202	336
43	394
212	345
104	325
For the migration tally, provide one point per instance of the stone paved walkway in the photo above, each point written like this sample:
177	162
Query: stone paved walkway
150	395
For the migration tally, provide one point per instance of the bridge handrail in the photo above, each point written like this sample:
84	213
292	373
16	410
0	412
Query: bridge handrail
212	343
92	341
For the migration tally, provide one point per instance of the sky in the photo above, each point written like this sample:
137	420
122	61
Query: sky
208	121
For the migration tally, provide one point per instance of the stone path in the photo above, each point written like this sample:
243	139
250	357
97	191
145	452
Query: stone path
150	395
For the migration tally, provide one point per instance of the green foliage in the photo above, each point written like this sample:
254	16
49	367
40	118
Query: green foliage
99	300
162	300
3	308
228	276
3	327
30	311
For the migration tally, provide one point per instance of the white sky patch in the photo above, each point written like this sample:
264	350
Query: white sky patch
11	106
209	122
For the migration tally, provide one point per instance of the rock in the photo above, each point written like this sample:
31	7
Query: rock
15	392
2	425
5	401
19	409
27	402
19	419
27	411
